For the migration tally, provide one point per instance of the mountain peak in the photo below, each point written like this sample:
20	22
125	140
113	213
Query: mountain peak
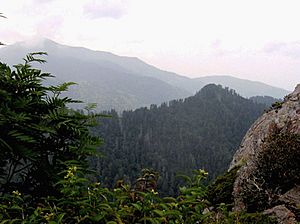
211	87
35	42
215	91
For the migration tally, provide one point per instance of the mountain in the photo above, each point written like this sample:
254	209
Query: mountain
101	76
201	131
120	82
269	159
245	87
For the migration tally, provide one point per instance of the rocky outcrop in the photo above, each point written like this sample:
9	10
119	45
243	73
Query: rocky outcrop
283	117
291	197
283	215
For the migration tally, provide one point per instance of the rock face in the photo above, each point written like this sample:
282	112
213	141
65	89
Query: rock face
292	196
284	117
284	215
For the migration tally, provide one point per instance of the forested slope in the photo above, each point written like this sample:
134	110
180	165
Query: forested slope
44	147
202	131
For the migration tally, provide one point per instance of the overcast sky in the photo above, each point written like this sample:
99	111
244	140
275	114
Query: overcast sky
252	39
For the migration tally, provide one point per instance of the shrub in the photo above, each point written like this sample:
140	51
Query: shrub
277	171
278	163
220	191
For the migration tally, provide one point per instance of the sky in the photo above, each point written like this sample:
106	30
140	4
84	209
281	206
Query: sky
251	39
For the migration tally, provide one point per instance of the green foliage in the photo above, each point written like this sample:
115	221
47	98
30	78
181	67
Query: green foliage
220	191
38	131
91	203
277	105
192	200
148	180
82	203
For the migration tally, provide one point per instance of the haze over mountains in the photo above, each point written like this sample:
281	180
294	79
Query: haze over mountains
120	82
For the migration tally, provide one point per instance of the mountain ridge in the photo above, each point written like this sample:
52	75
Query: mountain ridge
61	59
200	131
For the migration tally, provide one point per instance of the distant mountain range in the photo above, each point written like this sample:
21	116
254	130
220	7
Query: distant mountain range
120	82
